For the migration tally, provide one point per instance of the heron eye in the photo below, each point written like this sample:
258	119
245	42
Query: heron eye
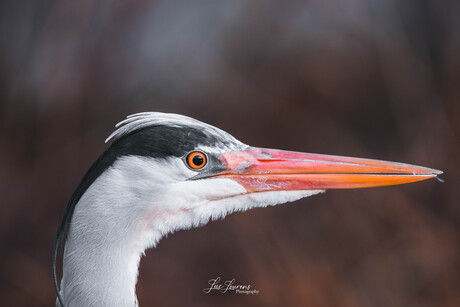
196	160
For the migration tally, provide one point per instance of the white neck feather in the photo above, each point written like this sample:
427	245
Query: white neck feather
128	209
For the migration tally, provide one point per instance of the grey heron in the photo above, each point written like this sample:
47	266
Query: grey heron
165	172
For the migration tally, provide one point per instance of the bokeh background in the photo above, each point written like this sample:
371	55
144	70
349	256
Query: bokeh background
368	78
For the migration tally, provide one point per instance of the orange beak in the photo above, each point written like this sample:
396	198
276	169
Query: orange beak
259	169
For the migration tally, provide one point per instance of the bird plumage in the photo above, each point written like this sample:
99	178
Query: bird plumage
143	187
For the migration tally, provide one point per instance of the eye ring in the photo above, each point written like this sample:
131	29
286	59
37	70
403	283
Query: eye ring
196	160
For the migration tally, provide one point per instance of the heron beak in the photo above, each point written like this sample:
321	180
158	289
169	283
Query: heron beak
259	169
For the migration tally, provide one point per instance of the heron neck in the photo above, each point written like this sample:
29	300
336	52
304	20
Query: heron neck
99	274
102	254
112	224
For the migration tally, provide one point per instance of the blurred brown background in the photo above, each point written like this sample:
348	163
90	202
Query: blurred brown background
368	78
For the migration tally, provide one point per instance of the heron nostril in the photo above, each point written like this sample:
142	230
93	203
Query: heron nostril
265	156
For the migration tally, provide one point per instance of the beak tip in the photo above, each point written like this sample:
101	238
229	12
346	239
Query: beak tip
428	171
436	172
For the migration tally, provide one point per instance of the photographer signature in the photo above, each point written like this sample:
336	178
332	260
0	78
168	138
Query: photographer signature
229	286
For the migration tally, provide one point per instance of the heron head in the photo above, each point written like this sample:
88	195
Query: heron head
164	172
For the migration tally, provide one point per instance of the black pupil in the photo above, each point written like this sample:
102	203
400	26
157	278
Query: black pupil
198	160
